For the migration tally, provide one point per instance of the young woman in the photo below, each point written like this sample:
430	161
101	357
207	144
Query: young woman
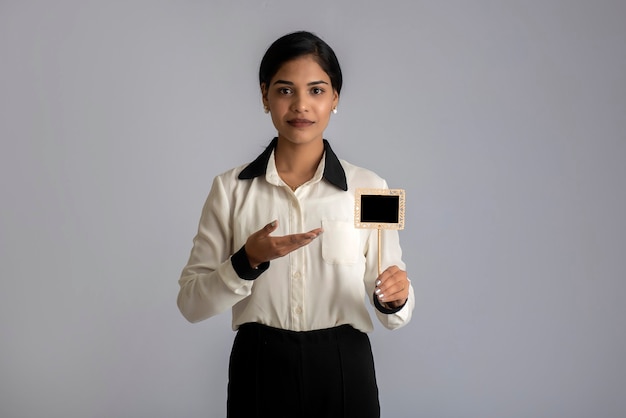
277	245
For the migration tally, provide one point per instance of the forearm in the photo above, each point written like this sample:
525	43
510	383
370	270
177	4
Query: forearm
393	303
205	294
392	317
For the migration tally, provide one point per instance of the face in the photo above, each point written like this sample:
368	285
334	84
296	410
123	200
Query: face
300	98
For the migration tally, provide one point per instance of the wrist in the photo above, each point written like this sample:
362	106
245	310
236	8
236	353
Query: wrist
251	260
244	269
388	307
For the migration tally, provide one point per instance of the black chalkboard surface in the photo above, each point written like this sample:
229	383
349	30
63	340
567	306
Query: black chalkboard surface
380	208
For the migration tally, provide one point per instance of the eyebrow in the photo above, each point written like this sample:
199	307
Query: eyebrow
289	83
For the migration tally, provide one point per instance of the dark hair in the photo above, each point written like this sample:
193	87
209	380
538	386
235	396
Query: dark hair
295	45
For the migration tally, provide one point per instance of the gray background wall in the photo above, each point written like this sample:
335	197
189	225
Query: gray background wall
504	121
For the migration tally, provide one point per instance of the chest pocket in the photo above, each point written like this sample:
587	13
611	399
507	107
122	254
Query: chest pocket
340	242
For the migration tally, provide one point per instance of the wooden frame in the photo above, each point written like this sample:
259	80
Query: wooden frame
379	208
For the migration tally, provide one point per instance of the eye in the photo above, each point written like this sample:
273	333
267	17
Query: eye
317	90
284	90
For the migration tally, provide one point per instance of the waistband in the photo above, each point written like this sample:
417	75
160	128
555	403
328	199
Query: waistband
267	332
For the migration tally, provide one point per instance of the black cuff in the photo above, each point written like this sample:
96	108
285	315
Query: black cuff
242	266
387	311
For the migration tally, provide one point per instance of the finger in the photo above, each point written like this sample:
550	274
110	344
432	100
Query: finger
392	285
311	235
391	270
262	247
393	295
387	274
295	241
396	292
316	231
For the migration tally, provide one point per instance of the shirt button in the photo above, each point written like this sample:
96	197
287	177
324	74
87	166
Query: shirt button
297	275
298	310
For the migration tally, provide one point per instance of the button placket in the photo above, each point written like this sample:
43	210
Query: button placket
297	278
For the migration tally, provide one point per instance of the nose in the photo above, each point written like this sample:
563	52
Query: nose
299	103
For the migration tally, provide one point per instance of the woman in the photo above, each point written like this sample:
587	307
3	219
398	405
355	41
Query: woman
277	245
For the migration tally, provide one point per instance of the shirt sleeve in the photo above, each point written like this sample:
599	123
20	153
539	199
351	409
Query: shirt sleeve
209	283
391	254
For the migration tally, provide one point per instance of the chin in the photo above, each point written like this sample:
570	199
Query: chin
301	139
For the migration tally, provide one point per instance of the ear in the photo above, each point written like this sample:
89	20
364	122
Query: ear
335	98
264	95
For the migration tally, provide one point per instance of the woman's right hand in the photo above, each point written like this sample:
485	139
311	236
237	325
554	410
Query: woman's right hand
261	247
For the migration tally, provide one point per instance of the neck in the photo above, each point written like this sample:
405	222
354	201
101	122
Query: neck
298	159
297	163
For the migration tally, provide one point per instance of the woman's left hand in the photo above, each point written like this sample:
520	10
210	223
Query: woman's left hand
392	287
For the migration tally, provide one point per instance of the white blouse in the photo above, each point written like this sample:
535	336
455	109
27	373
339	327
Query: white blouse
321	285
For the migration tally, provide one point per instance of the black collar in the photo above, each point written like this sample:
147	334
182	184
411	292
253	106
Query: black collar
333	171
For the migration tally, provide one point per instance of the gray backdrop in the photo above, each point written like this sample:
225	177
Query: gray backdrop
504	121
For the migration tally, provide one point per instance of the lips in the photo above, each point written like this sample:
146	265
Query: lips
300	123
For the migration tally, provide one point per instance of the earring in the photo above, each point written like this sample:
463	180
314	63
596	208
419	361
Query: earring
335	110
266	109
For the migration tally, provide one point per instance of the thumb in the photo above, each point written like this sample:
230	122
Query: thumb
269	228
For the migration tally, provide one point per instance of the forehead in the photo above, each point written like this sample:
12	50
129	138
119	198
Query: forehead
303	68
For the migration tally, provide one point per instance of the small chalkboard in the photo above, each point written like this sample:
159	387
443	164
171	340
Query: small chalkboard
379	209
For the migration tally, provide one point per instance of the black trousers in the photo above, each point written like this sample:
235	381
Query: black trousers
315	374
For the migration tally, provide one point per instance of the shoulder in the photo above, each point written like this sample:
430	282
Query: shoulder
229	179
232	173
358	177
